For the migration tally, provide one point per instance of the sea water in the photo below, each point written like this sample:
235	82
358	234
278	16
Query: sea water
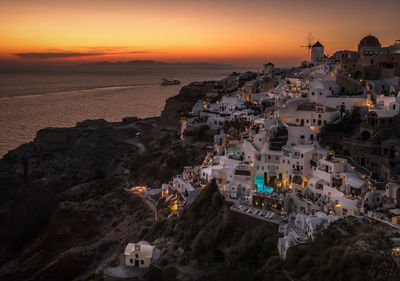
31	101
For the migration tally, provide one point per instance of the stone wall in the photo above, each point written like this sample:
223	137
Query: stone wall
246	221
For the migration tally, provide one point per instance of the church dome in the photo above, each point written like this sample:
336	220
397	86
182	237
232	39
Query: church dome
370	41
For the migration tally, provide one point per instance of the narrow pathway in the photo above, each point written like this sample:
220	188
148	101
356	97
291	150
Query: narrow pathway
139	145
150	202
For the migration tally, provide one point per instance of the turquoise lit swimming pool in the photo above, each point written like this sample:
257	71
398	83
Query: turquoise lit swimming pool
265	189
259	181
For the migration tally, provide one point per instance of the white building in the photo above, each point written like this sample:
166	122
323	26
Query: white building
310	114
138	255
185	189
317	52
327	92
268	68
302	228
391	192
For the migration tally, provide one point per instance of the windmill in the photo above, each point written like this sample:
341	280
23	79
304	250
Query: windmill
309	44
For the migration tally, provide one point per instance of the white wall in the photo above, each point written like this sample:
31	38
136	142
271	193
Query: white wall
130	260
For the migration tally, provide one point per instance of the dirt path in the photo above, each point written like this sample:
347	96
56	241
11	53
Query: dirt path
151	203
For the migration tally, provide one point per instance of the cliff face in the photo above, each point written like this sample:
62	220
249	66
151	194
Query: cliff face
64	211
183	103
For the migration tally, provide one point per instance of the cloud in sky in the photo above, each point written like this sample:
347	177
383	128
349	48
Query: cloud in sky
56	54
53	55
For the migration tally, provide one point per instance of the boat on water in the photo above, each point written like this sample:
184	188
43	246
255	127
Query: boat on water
170	82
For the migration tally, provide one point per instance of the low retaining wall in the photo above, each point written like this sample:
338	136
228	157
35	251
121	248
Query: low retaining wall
247	221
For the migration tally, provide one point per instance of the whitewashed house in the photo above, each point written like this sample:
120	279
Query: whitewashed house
139	254
185	189
390	195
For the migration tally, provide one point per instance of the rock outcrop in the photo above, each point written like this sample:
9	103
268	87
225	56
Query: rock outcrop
64	210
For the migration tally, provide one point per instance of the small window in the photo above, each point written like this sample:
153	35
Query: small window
131	260
136	256
142	262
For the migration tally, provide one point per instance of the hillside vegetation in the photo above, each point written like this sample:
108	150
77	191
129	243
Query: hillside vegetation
205	244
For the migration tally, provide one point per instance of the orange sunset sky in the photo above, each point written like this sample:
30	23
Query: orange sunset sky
241	32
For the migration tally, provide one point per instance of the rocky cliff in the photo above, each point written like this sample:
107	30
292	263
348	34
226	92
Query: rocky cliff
65	213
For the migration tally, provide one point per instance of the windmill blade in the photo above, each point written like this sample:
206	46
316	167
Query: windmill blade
309	44
310	39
